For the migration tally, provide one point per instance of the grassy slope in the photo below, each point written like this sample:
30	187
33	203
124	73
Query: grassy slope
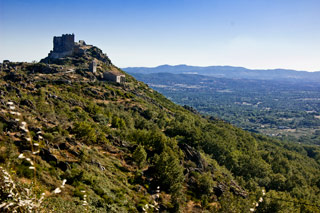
92	128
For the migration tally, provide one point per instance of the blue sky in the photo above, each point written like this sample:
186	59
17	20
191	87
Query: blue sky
250	33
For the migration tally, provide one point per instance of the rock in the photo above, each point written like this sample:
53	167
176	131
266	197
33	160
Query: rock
234	188
191	109
63	165
193	155
27	103
220	189
46	155
237	190
14	77
117	142
64	146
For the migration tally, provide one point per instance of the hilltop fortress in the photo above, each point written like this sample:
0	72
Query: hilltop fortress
67	51
66	46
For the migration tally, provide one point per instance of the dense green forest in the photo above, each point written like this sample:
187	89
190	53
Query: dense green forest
286	109
70	140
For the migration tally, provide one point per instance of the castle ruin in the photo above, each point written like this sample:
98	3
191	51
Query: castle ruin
65	45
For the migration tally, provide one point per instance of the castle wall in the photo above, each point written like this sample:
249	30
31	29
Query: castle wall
56	55
62	46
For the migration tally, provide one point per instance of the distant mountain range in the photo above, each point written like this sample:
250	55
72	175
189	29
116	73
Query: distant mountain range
229	72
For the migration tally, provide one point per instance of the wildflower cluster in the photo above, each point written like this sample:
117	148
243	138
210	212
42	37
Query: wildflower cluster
17	199
26	134
155	204
260	200
58	189
85	202
22	199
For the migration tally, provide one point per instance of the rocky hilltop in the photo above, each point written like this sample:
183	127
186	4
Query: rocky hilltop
70	138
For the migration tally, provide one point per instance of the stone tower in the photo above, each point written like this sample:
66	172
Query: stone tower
62	46
64	43
93	66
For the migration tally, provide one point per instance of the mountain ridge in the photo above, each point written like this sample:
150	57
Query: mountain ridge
230	72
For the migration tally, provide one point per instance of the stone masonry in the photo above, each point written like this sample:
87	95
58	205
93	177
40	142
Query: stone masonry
65	45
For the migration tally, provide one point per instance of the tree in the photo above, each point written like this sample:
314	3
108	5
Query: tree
169	172
139	156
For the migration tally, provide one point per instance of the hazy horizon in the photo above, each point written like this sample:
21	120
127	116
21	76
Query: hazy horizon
266	34
173	65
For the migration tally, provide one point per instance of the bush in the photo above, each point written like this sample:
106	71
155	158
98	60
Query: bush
84	131
139	156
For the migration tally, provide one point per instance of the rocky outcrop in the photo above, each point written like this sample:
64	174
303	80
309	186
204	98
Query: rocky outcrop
233	187
194	156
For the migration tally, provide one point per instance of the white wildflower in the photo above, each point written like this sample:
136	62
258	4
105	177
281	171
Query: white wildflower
63	183
12	113
21	156
10	204
40	137
18	113
30	161
83	191
28	139
260	199
36	144
12	107
36	152
23	128
42	197
57	190
32	167
17	119
23	123
10	103
251	209
39	132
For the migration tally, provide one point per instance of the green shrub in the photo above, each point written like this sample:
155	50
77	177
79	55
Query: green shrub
139	156
84	131
169	172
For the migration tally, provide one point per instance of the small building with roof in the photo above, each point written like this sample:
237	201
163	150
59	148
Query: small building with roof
114	76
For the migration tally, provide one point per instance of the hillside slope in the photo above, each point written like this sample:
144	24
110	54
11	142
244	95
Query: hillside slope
97	146
285	109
